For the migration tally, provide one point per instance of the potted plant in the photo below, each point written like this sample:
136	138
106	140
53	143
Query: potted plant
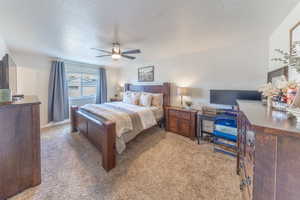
188	104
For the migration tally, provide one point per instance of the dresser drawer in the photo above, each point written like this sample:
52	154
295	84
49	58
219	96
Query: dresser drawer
173	113
184	115
246	183
82	124
250	145
180	114
249	176
184	127
173	124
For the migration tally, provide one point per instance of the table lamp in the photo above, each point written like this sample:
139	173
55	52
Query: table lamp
119	90
182	91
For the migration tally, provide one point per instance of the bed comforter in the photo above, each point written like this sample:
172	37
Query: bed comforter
130	119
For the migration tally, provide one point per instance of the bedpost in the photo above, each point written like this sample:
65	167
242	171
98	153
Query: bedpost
126	87
167	94
73	118
108	147
167	100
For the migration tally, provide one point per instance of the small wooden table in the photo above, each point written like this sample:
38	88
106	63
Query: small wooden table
181	121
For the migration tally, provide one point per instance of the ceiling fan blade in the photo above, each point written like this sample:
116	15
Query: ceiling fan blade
102	56
129	57
134	51
102	50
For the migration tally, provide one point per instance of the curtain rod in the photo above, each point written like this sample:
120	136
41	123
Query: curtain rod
77	63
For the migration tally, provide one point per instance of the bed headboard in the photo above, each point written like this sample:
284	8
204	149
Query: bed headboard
164	88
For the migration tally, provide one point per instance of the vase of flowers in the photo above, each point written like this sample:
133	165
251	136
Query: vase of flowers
269	91
288	90
291	94
291	91
281	94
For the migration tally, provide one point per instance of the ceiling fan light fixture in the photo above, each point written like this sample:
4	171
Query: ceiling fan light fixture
116	48
116	56
116	53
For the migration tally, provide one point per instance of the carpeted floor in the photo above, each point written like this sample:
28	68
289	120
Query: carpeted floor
156	165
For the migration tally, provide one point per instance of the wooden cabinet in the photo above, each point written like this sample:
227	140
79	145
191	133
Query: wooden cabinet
181	121
268	159
20	163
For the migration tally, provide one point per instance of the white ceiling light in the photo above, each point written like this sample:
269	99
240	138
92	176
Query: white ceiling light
116	52
116	56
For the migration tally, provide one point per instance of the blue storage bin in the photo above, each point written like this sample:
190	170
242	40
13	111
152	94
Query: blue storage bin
225	129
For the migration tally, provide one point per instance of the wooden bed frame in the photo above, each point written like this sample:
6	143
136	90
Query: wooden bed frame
102	132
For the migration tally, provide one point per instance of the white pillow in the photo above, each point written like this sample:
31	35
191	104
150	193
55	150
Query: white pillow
127	97
157	100
146	99
135	98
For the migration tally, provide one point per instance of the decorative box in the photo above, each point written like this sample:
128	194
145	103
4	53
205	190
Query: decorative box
5	95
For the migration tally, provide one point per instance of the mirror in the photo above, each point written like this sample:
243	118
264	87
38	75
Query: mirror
294	56
8	74
295	40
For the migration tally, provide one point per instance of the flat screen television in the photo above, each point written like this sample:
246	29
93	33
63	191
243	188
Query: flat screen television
229	97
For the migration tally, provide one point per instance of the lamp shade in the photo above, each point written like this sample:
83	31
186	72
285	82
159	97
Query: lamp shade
183	91
120	88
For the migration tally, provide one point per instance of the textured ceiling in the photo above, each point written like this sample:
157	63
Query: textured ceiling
160	28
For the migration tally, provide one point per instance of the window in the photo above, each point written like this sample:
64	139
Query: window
82	84
82	80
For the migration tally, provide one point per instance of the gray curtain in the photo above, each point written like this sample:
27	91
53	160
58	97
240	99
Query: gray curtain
58	102
102	87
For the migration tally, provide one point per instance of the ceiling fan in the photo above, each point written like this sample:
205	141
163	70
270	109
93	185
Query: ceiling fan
116	52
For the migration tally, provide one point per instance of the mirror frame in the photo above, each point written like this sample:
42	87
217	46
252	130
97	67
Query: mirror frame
284	71
291	35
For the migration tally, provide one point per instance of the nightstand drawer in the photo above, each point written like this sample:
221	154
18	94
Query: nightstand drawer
184	115
173	113
173	124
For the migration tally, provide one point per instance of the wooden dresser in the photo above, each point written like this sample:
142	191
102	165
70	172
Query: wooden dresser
20	163
269	153
181	121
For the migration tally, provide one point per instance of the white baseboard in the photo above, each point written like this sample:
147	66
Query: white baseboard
52	124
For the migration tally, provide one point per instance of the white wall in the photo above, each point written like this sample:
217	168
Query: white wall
3	47
280	39
240	65
113	77
33	78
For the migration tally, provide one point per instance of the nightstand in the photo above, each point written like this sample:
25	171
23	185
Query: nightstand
181	121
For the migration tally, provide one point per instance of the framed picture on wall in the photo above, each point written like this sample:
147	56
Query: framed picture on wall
146	74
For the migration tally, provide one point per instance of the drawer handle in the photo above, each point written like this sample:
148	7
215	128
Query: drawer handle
242	185
241	165
251	143
248	180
